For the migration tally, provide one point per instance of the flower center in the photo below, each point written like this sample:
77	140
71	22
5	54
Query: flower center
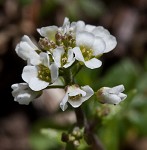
67	41
87	52
46	44
76	97
44	73
64	59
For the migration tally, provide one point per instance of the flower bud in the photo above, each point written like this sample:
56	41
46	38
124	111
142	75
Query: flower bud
111	95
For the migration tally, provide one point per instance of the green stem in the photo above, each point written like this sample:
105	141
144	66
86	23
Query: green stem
92	139
68	77
81	119
78	69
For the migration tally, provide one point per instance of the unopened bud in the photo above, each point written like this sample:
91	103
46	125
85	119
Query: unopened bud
111	95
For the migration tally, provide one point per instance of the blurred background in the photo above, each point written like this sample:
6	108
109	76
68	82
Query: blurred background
126	127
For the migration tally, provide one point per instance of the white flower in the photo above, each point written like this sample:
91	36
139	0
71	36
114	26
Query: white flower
27	51
92	42
111	95
88	48
76	95
23	94
98	31
40	76
62	58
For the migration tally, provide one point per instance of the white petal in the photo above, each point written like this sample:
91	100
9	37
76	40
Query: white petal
33	61
110	43
117	89
111	99
26	52
19	86
36	84
84	38
66	25
93	63
78	54
44	58
73	27
14	86
54	72
57	53
80	25
75	103
100	32
68	64
23	98
25	38
89	27
66	21
77	91
109	39
122	96
63	103
70	59
49	32
29	72
89	92
98	46
70	55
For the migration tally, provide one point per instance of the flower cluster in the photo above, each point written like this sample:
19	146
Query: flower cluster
60	52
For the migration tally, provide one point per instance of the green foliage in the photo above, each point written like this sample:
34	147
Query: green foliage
46	139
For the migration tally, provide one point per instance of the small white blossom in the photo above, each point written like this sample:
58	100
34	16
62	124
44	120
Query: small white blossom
76	95
111	95
23	94
98	31
27	51
92	42
62	58
88	48
40	76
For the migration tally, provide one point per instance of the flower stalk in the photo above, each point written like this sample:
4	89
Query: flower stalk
91	137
